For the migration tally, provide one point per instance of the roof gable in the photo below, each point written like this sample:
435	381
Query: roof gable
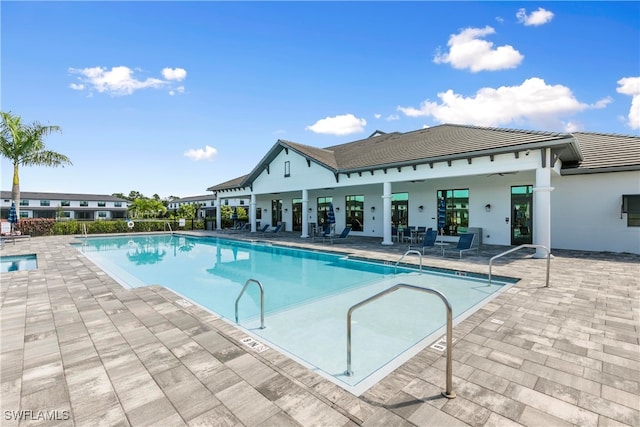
450	142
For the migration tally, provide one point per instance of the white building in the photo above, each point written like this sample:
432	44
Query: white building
206	204
566	191
66	205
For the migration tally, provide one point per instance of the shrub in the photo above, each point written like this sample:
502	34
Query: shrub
36	226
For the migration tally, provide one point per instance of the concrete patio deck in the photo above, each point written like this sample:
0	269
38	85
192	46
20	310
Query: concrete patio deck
78	349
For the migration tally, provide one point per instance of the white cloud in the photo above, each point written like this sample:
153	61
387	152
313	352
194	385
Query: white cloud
631	86
177	74
179	89
534	102
120	80
345	124
467	50
201	154
539	17
377	115
392	117
573	127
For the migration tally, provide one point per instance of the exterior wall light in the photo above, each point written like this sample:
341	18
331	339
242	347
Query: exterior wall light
420	208
487	207
373	208
310	209
337	209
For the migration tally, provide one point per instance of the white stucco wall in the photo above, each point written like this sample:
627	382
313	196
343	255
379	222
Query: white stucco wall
585	212
585	209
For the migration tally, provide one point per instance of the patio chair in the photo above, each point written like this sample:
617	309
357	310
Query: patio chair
274	230
342	235
428	242
265	228
464	244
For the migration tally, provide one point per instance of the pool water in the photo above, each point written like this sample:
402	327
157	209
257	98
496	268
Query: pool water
18	263
307	295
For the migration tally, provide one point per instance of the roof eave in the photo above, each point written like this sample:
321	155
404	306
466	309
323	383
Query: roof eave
584	171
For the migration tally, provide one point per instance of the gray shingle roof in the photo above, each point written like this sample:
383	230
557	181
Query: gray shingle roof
449	141
605	152
30	195
195	198
232	183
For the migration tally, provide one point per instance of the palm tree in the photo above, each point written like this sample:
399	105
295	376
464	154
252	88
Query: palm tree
23	145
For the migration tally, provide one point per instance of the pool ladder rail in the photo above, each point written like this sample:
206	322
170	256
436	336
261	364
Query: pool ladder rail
448	393
526	245
244	288
411	251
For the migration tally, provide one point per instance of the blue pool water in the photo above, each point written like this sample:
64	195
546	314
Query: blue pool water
18	263
307	295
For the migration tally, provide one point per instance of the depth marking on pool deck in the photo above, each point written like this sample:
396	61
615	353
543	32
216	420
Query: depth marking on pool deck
441	344
254	345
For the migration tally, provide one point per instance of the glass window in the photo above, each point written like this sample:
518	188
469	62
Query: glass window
631	206
226	202
102	214
84	204
117	204
45	203
453	211
24	202
276	211
65	203
241	202
83	215
400	209
354	211
287	169
323	204
102	204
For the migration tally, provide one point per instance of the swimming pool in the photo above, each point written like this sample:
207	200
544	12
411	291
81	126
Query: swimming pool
307	295
18	263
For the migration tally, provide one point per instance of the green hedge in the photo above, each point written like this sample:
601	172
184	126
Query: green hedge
112	226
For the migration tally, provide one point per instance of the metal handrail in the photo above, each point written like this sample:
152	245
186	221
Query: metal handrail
449	393
526	245
412	251
84	230
166	224
261	300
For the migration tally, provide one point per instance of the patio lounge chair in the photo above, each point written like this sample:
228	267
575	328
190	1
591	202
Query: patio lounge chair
464	244
428	242
13	237
275	229
342	235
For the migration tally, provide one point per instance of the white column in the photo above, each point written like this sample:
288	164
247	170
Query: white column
305	214
386	214
542	207
252	213
218	214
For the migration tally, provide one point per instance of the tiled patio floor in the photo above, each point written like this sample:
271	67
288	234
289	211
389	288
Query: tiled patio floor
80	349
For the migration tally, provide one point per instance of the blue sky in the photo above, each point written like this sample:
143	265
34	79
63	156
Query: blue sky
170	98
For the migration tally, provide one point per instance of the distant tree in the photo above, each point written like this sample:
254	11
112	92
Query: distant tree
23	145
133	195
187	211
119	195
146	208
